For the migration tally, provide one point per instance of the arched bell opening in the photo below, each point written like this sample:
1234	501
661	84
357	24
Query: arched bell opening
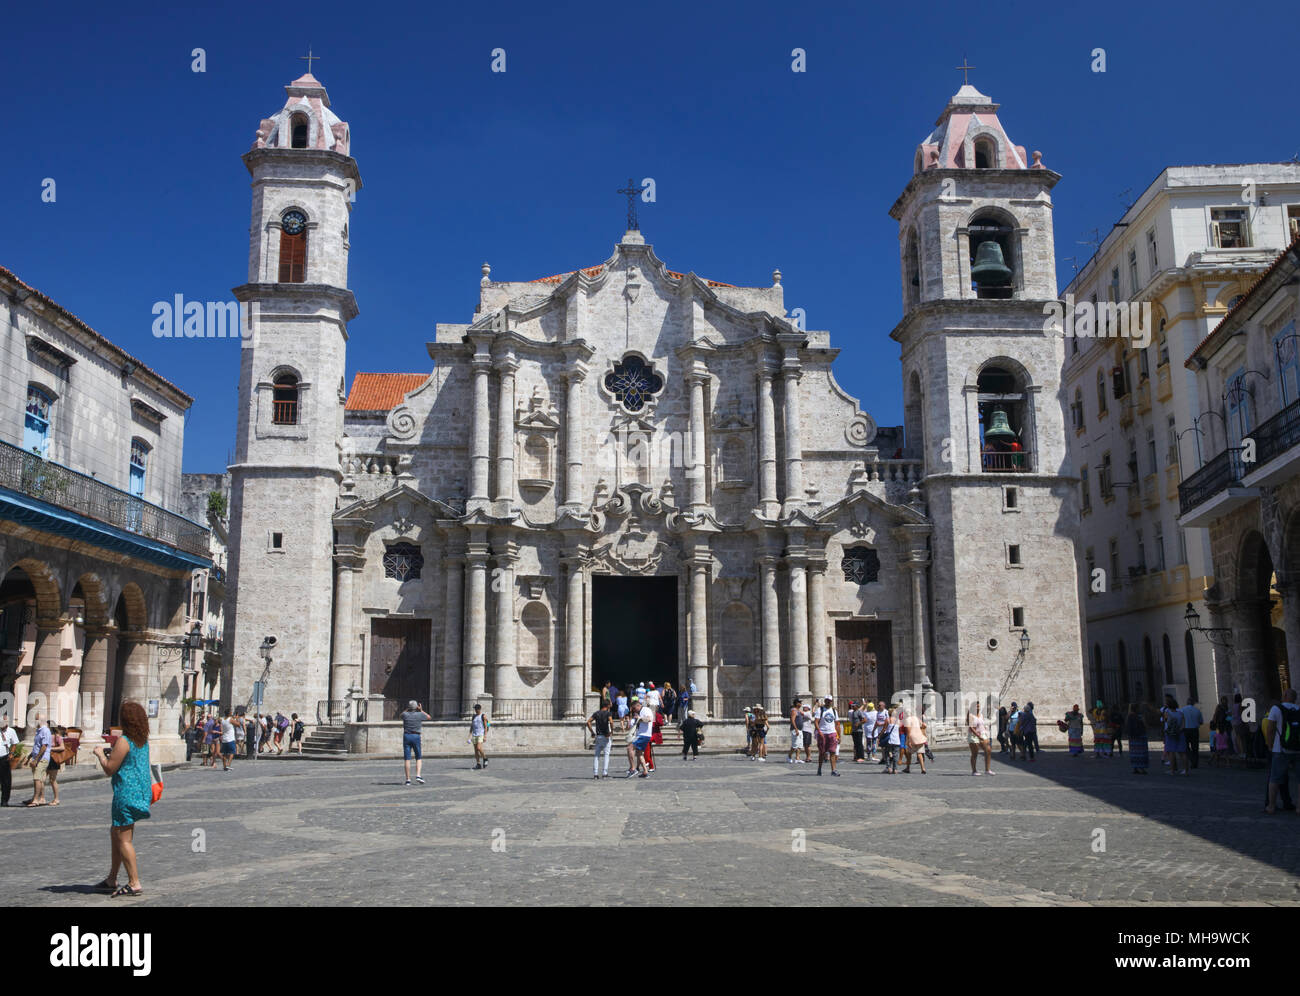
993	257
1005	436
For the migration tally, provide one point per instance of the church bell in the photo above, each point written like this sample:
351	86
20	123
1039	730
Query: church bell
990	269
999	427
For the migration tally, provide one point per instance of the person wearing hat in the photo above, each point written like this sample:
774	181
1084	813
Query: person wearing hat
691	728
653	697
1100	731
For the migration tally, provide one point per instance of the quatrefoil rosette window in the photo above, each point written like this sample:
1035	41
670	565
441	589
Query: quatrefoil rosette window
633	383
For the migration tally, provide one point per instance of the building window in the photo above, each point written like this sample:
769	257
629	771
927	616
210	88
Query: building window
1164	344
1101	393
1010	499
1171	456
1141	553
36	427
298	131
284	404
1238	398
1104	478
1013	554
1076	409
1085	490
277	541
1151	449
1285	345
139	465
1017	617
1160	546
861	565
403	562
293	248
1134	474
633	383
1134	286
1229	228
1293	222
1144	367
985	154
1153	255
1089	565
1114	562
1112	292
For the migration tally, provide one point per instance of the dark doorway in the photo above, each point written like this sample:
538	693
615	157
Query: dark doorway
633	630
399	662
864	660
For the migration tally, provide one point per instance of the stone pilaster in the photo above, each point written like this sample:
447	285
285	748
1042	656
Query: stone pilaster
506	366
791	372
479	456
918	567
454	608
771	645
94	685
573	379
45	668
768	503
798	621
701	568
574	636
475	664
819	665
696	379
504	686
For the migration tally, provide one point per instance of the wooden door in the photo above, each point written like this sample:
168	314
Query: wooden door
864	660
399	662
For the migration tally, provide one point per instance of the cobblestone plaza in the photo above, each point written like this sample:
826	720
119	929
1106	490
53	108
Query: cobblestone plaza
718	831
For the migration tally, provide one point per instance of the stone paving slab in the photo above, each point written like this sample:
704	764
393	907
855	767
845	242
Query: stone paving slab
719	831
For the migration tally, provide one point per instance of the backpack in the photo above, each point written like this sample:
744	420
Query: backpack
1173	722
1289	730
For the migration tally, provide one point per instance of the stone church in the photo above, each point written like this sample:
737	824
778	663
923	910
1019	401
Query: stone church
626	472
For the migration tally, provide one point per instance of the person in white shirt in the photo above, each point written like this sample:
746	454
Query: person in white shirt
1286	759
227	741
869	715
645	728
828	738
653	697
1192	720
8	740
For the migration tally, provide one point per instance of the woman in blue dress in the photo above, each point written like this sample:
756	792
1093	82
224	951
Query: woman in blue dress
128	764
1175	738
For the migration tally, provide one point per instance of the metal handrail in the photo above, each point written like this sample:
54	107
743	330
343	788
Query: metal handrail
1278	434
32	475
1218	473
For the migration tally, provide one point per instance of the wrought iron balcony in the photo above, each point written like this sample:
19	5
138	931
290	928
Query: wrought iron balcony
1219	473
29	474
1021	461
1278	434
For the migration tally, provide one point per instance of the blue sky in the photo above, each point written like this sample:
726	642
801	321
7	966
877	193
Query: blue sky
756	167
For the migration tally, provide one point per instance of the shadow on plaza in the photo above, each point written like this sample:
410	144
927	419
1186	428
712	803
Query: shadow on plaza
1224	806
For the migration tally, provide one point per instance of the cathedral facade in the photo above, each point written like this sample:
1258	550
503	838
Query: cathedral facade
630	473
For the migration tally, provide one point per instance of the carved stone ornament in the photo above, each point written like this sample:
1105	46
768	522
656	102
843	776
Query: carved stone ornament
402	423
861	430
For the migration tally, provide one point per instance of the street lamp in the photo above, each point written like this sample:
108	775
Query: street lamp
1024	641
1222	635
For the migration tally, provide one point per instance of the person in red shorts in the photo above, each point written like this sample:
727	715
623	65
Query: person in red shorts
828	738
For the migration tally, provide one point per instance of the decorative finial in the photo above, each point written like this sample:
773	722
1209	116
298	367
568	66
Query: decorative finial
487	270
776	278
631	190
1038	160
309	57
965	71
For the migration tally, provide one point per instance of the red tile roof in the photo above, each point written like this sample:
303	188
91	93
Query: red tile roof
381	392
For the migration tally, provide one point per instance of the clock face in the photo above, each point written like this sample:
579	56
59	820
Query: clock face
293	222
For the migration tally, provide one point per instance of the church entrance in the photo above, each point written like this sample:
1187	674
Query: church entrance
633	630
864	660
399	662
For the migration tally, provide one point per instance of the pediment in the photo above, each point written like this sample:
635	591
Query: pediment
398	506
864	507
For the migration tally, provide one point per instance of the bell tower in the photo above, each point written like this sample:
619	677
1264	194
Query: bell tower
981	368
285	478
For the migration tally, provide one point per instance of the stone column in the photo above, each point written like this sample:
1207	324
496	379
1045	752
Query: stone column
1250	653
767	499
503	669
454	569
574	639
799	627
820	666
695	468
573	434
1290	620
505	492
916	567
790	373
701	574
346	674
45	668
770	609
135	675
481	366
475	666
94	682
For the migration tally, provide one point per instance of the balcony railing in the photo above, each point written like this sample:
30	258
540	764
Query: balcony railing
1278	434
1218	473
1007	463
55	484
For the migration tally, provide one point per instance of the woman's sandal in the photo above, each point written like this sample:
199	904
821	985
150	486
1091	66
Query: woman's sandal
126	890
104	885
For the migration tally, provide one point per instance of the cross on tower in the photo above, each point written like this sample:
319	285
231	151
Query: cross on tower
631	190
309	57
965	70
